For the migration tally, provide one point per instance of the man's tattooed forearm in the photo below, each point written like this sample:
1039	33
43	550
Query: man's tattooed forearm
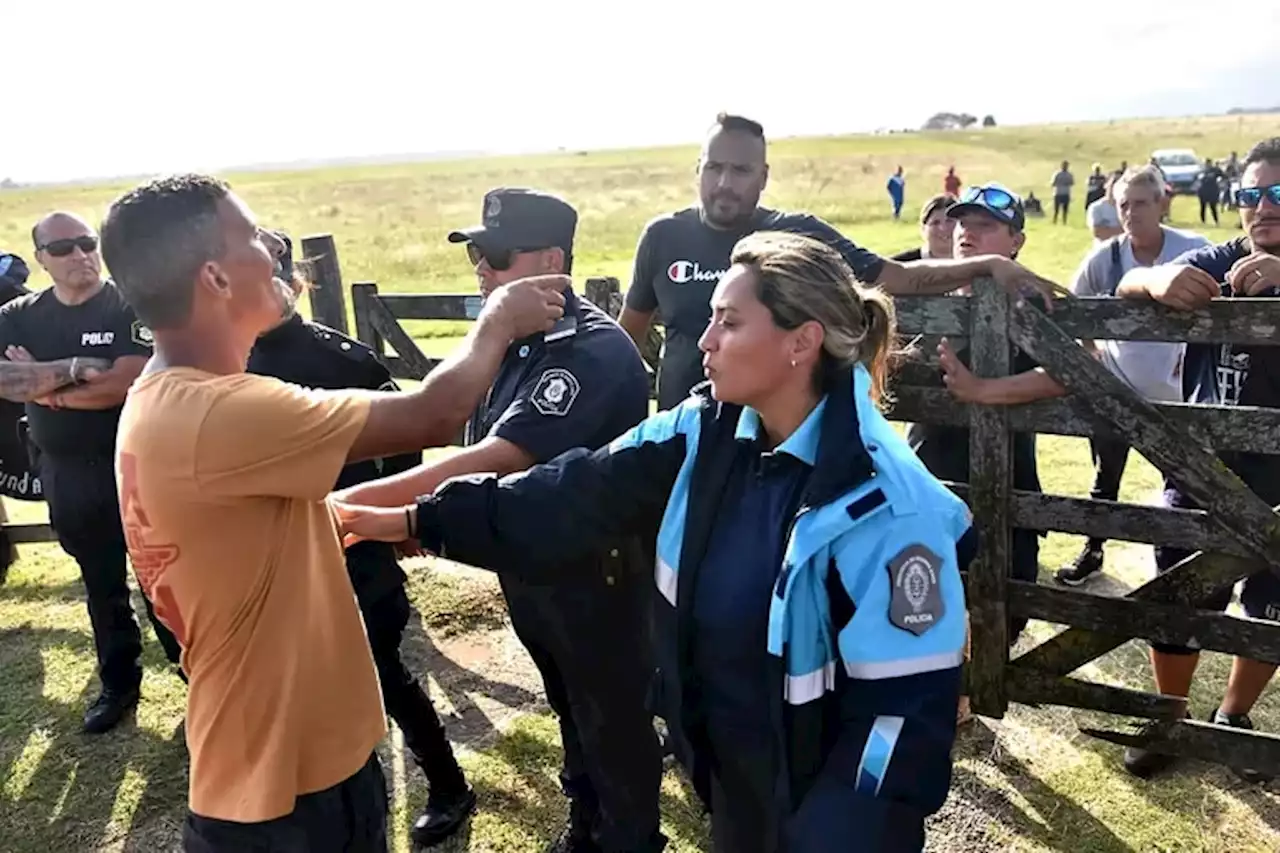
23	381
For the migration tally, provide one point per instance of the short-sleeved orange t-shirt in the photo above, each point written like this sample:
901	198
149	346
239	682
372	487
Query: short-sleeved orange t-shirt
222	485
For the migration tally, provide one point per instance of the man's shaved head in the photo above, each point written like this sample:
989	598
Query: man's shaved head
61	220
67	247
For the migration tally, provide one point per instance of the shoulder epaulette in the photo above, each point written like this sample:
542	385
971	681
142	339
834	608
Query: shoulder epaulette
340	343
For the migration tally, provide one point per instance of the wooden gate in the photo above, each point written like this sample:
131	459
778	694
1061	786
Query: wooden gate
1234	536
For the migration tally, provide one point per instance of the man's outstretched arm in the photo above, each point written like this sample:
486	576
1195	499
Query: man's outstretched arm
432	415
24	381
493	455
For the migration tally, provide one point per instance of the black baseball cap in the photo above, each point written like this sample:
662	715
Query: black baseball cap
995	200
515	218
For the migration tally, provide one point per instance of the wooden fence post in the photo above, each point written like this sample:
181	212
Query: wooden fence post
328	302
990	485
606	293
362	295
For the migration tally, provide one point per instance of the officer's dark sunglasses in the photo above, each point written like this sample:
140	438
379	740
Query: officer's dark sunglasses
499	259
61	248
1252	197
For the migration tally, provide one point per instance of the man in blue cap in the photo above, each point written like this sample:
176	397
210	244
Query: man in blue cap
990	220
581	384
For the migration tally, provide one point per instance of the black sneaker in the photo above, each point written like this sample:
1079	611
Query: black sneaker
1087	564
1144	763
444	816
108	710
1240	721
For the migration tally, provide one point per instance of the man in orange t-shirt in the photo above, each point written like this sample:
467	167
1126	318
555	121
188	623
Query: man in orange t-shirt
223	478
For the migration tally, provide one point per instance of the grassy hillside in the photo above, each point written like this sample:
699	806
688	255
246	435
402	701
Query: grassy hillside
1029	782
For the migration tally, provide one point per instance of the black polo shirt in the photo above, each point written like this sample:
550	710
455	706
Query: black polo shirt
103	326
582	384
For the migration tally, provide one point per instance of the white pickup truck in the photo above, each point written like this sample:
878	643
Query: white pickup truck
1181	168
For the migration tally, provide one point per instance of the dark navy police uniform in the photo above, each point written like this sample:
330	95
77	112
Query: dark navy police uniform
76	450
315	356
580	385
1230	375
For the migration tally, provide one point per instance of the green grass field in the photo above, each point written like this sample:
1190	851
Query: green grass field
1029	782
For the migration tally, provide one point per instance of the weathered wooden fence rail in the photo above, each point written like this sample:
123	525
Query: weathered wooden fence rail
1235	535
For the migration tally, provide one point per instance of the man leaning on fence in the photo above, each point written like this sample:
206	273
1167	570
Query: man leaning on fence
990	220
1151	368
681	256
1225	375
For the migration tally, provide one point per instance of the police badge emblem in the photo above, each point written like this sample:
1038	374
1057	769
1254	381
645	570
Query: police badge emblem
915	601
141	335
555	392
492	207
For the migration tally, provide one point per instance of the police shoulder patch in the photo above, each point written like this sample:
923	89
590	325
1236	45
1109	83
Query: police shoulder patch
141	334
555	392
915	601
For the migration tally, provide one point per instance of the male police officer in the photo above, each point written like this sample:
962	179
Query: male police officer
74	430
580	384
316	356
681	255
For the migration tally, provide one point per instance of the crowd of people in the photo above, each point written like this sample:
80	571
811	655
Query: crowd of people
766	564
1216	185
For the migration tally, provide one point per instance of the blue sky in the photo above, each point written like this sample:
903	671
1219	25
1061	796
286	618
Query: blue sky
137	86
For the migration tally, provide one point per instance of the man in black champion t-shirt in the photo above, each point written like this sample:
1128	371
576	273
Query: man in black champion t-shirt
681	255
73	428
1231	376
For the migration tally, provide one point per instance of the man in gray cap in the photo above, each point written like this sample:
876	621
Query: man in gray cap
581	384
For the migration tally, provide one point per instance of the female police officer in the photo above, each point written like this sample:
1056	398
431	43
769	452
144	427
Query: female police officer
316	356
810	624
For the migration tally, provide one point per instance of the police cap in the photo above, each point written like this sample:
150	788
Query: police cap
515	218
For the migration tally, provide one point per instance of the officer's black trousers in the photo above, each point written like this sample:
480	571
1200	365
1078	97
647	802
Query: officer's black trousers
85	514
588	638
405	700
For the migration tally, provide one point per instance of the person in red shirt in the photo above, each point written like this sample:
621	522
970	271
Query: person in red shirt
951	183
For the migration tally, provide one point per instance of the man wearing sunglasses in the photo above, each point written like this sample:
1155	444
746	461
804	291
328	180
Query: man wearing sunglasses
681	256
579	385
1233	376
990	220
73	429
